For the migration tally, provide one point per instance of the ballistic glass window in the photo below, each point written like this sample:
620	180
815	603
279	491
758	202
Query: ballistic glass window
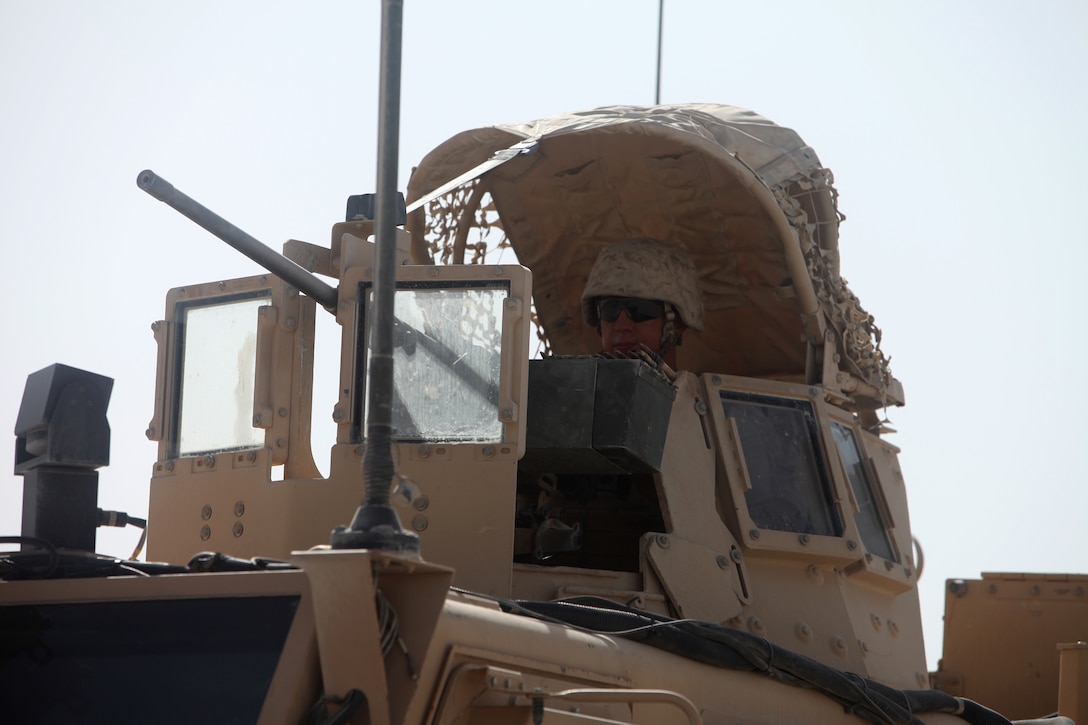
874	533
447	348
216	370
790	488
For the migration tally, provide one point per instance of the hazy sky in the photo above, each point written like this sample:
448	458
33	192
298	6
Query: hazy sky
956	132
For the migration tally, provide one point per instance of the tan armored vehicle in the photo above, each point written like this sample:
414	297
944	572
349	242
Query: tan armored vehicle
573	539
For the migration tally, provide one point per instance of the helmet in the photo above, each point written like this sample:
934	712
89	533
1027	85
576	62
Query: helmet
648	269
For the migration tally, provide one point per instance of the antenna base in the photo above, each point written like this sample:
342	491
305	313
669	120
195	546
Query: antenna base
376	526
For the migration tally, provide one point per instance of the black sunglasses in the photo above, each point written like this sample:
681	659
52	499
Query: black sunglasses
638	310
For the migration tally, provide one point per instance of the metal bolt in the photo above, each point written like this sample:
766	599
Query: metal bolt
722	562
282	412
424	451
803	632
754	534
251	456
209	461
803	538
206	533
700	407
169	465
755	625
419	523
851	544
717	380
488	451
877	624
291	323
238	529
421	503
206	512
737	556
662	541
239	508
838	644
337	414
957	587
256	419
506	414
150	432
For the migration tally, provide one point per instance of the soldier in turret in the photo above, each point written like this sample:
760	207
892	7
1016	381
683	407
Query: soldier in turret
643	292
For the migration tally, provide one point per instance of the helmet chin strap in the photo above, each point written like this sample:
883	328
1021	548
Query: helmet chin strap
670	338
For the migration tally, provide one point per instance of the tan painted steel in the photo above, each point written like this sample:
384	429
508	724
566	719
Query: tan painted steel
1002	635
779	320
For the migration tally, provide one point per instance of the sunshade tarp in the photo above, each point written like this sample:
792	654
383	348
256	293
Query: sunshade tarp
724	183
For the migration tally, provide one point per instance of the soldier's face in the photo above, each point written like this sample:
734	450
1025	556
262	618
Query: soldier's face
623	334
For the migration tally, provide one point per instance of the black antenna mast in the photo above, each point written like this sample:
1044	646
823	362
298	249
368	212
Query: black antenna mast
376	524
660	25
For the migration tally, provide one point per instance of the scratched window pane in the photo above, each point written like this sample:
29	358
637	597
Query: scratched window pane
790	490
874	534
218	367
447	348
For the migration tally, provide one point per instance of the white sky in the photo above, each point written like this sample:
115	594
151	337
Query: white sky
956	132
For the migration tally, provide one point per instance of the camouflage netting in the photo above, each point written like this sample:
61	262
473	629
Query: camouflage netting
747	199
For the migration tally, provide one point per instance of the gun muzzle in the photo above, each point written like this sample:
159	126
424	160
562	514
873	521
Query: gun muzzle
263	255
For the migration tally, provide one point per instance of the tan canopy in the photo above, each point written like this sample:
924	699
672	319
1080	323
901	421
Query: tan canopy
746	198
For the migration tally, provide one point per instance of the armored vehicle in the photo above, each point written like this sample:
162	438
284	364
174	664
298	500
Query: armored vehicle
579	538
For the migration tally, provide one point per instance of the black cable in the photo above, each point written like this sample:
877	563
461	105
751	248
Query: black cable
10	558
730	648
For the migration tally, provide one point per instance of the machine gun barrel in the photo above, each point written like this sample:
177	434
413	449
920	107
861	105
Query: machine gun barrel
263	255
